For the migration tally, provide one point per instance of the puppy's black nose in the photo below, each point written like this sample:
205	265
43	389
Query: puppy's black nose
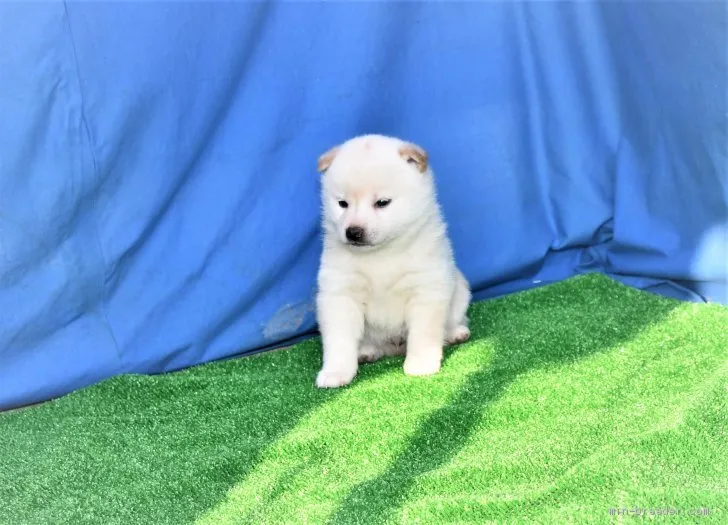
354	234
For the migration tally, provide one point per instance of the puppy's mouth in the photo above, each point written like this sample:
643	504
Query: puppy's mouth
359	244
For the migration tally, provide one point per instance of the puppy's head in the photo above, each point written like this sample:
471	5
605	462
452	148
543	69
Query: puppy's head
374	190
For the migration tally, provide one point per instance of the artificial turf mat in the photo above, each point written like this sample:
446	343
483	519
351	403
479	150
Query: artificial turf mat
570	399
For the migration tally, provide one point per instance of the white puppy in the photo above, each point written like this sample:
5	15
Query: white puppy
388	284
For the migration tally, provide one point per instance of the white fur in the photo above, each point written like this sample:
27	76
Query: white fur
403	293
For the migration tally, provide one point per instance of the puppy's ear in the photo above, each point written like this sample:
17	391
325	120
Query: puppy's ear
325	160
414	155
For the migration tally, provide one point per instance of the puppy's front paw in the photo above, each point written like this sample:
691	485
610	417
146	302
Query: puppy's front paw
334	378
422	365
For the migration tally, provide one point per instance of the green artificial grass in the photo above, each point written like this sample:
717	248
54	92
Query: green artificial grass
569	400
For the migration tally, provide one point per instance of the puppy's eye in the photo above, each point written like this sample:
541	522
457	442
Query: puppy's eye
382	203
343	204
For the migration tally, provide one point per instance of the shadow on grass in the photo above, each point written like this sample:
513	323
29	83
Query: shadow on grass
155	449
525	338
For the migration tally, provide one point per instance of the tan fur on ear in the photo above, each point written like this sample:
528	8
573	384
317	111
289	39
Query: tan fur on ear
325	160
414	154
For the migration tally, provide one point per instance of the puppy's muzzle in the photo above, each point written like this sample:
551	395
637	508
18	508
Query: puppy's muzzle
356	235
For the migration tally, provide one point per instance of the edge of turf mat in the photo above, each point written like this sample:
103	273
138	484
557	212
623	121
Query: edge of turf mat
570	400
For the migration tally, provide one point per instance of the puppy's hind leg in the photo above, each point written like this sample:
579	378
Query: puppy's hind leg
457	325
370	352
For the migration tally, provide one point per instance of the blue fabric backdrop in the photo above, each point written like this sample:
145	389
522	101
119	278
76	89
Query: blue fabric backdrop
158	194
